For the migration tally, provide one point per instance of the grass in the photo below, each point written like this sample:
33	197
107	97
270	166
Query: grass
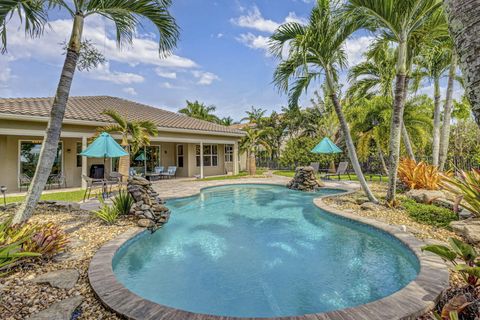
429	214
291	173
237	176
69	196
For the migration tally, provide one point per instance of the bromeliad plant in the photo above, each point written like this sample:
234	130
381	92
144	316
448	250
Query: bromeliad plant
47	240
469	270
467	188
419	175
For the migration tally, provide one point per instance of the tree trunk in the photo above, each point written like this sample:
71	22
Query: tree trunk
382	160
447	114
464	26
436	122
252	168
405	136
50	143
397	121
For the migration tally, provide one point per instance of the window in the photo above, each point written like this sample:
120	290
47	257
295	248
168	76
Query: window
210	155
79	157
29	154
228	153
180	155
146	158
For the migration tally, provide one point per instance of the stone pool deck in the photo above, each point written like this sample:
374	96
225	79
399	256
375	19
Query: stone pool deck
414	300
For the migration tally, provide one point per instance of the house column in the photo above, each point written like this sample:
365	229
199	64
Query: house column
84	163
201	160
235	159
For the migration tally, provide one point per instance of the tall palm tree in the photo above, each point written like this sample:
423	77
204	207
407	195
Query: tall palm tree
255	115
400	21
464	27
227	121
252	142
126	15
314	50
200	111
376	76
447	112
431	65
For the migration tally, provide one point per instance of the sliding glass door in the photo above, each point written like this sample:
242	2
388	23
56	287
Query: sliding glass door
29	154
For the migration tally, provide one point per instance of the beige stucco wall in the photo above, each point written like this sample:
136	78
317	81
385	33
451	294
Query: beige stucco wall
9	150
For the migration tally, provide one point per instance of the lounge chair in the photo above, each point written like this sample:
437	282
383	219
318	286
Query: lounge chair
341	170
24	181
171	172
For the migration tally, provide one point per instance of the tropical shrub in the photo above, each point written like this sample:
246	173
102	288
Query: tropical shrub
429	214
123	202
419	175
48	240
297	153
467	187
108	214
469	269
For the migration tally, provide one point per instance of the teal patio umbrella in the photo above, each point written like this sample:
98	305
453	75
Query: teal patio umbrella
143	158
326	146
104	146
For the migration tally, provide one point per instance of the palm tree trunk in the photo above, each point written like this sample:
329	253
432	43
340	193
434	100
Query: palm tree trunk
252	168
436	123
48	151
447	114
397	121
405	136
464	27
382	159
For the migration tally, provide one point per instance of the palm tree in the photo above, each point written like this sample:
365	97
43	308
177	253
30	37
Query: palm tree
315	50
253	142
135	134
200	111
126	15
399	21
464	27
227	121
255	115
375	77
432	64
447	112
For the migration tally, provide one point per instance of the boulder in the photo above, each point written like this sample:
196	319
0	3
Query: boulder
62	310
305	180
369	206
468	229
465	214
62	279
445	203
425	196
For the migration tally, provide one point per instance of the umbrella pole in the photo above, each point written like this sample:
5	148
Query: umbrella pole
104	191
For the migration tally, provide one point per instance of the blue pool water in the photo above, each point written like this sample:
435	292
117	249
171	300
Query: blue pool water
262	251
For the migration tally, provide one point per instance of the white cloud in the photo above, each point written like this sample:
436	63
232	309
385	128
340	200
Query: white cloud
5	74
129	90
104	73
356	47
220	35
254	42
165	74
205	78
254	20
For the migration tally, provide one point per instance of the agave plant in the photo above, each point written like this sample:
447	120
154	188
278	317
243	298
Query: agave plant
458	250
419	175
108	214
123	202
467	187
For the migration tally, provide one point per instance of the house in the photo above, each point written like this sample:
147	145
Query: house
195	147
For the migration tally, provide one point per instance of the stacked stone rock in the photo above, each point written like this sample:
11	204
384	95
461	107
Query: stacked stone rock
304	180
148	206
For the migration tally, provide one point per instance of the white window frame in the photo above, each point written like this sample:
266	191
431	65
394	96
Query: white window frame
19	159
181	155
211	155
228	154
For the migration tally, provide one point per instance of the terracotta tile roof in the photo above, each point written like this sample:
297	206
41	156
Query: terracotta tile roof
91	108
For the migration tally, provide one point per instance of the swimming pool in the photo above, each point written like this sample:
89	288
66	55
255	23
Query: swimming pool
262	251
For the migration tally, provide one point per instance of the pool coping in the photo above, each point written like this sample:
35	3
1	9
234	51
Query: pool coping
410	302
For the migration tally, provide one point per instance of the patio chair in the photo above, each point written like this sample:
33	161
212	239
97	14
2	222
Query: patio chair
58	180
115	178
159	169
24	181
315	166
91	184
134	172
171	172
341	169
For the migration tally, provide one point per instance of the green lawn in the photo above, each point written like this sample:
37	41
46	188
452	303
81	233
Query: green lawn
70	196
291	173
238	176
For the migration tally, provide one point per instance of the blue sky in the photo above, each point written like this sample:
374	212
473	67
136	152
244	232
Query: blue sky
221	58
